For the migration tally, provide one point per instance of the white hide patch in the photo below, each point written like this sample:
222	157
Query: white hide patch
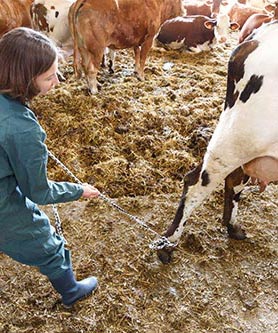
249	130
221	31
184	18
234	213
176	45
57	20
201	47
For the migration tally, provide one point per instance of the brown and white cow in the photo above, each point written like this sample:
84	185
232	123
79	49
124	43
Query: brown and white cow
240	12
197	8
51	17
117	24
245	141
209	8
253	3
14	14
195	33
256	20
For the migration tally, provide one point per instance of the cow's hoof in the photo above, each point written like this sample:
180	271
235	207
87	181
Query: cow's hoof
236	232
94	91
165	255
110	67
61	77
140	76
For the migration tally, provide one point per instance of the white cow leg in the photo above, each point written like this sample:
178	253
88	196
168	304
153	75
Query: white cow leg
198	184
111	60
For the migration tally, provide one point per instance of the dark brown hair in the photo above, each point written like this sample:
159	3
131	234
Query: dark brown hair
24	55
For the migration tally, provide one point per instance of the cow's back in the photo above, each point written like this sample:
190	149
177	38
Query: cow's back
120	24
189	29
252	77
253	22
170	9
13	14
239	13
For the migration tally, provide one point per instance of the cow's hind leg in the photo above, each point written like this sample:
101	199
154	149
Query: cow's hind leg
91	62
234	184
108	59
137	50
141	56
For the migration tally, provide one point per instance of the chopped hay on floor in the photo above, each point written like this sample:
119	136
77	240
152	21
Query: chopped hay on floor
135	141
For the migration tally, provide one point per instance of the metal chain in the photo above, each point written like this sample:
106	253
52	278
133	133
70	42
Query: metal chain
58	224
156	245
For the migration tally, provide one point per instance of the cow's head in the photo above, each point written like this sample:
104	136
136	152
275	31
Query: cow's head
221	26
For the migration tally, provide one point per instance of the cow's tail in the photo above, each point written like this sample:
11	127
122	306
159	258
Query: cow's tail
73	13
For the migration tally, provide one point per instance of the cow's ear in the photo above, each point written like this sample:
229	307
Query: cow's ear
209	2
234	26
269	8
210	24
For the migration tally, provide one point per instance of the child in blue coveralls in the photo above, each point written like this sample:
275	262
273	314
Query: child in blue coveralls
28	67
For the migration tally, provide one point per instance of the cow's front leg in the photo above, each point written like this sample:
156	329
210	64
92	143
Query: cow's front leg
175	229
234	184
197	186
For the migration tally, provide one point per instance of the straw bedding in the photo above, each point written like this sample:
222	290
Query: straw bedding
135	141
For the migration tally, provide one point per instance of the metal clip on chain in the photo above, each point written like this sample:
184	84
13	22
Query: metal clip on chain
161	243
156	245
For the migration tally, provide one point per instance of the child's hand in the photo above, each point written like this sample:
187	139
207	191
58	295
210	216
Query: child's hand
89	191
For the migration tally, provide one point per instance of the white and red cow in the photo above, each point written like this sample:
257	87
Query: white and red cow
240	12
256	20
195	33
245	141
209	8
117	24
197	8
14	14
254	3
51	17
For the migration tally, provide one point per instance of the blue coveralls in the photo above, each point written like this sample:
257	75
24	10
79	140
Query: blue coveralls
25	231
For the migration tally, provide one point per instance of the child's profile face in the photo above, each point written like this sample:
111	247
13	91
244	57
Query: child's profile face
48	79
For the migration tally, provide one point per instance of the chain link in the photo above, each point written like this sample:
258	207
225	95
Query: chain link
58	224
156	245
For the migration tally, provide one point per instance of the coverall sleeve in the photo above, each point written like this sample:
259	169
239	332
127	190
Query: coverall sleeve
28	157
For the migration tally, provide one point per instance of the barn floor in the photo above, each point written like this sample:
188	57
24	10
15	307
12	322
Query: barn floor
135	141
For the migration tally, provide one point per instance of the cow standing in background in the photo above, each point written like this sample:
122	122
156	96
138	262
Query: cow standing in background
239	13
117	24
210	8
195	33
51	17
245	141
197	8
256	20
254	3
13	14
